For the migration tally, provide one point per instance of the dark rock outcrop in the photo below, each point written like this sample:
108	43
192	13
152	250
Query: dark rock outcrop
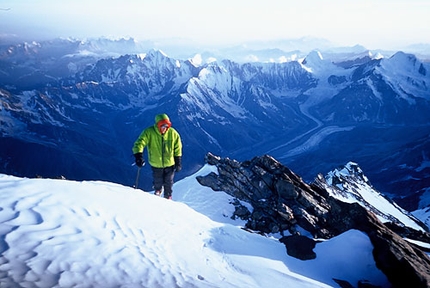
282	201
300	247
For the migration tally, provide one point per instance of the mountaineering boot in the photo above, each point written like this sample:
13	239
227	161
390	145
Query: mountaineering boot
157	193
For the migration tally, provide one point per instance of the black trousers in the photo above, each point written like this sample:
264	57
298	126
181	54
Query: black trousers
163	178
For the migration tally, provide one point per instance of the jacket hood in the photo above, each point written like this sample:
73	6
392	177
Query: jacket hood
160	120
161	117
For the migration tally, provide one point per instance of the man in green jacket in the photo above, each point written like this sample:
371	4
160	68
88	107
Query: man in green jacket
164	148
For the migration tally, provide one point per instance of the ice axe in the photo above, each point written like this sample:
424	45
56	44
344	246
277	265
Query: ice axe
138	174
137	177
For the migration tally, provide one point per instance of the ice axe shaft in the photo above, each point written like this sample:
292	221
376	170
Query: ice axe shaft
137	178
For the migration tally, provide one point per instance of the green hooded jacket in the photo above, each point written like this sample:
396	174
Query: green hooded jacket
161	148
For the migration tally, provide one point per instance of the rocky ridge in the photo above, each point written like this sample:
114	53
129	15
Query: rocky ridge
282	202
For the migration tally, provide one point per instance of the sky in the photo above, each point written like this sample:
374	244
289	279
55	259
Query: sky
375	24
60	233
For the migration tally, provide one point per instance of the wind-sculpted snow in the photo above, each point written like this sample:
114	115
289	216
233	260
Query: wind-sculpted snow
59	233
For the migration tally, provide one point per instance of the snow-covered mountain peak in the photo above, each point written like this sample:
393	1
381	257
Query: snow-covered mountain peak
313	61
405	62
121	45
407	73
214	84
156	54
320	67
197	60
314	56
350	185
340	175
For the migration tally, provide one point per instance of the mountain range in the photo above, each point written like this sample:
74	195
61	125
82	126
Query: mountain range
74	108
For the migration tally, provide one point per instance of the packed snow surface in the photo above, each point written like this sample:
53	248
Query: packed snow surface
60	233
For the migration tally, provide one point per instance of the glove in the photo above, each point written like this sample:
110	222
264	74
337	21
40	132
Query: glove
139	159
178	163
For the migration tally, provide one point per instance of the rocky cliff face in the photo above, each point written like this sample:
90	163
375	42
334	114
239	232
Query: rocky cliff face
282	202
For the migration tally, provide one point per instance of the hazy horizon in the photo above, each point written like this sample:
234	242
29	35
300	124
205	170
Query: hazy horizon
379	24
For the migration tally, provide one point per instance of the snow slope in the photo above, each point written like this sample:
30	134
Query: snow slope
354	187
59	233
